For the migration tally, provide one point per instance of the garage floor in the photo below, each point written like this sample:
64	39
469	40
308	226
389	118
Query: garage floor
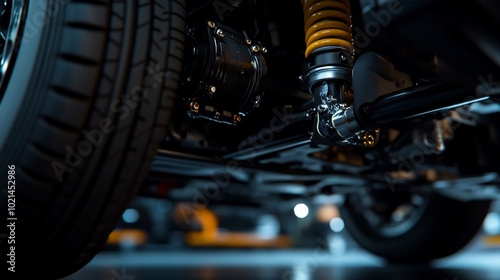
472	263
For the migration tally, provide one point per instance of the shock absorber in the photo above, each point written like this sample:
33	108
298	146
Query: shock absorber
327	24
329	55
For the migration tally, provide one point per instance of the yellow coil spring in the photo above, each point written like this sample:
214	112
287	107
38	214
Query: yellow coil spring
327	23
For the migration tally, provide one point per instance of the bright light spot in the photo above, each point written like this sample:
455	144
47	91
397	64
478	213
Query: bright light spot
327	212
268	227
128	242
491	224
337	244
337	224
301	210
130	216
302	271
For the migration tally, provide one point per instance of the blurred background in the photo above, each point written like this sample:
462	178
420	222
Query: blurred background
161	239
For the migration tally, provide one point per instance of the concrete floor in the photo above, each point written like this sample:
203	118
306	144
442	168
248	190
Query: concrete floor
473	264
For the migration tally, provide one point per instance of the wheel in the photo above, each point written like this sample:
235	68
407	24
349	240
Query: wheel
86	93
412	227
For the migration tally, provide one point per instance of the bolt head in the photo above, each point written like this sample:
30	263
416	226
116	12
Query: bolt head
366	109
212	89
343	58
257	102
322	108
211	24
248	41
194	106
237	118
255	48
368	140
220	33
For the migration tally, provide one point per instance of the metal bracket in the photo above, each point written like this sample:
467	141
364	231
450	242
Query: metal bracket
374	76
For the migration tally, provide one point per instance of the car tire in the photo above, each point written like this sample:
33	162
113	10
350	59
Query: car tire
444	227
83	111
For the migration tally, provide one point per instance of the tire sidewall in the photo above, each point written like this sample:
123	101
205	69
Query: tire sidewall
440	231
13	113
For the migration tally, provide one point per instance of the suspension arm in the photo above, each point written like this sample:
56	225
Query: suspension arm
330	59
416	101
